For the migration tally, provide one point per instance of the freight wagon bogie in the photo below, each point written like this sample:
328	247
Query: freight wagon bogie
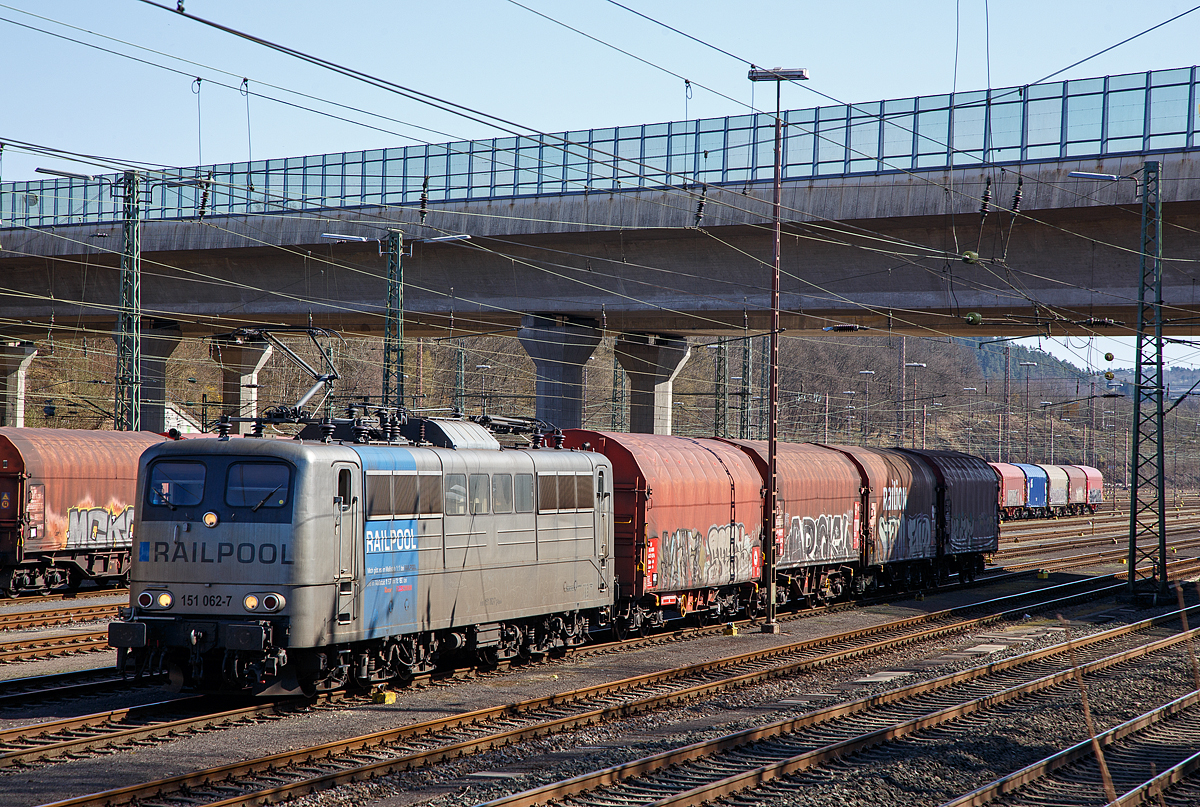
65	572
701	606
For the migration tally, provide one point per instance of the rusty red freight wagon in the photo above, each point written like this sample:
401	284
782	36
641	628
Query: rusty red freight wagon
66	505
1011	492
687	524
901	543
1077	498
820	497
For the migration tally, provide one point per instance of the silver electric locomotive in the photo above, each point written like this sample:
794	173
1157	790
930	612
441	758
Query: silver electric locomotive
284	565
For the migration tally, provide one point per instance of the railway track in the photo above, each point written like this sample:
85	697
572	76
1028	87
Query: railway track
1090	558
48	617
758	764
1150	759
39	647
76	736
281	776
15	692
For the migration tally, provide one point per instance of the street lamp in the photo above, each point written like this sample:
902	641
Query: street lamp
866	418
913	429
1049	452
773	520
1027	364
483	368
970	415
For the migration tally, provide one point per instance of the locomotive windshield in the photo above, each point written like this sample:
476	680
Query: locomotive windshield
176	484
257	484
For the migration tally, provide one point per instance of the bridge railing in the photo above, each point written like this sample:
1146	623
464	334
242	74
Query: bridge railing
1123	114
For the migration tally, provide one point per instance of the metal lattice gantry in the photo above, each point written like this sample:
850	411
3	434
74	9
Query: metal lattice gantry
1147	519
393	323
127	413
721	396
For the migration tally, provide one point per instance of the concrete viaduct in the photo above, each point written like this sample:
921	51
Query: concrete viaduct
879	252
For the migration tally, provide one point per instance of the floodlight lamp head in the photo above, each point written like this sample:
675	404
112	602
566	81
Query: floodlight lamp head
1093	175
340	237
54	172
442	238
778	74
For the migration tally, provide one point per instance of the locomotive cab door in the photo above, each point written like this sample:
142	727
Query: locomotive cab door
348	520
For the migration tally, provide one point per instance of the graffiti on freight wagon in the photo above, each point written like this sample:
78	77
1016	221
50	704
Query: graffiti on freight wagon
902	535
688	558
828	537
99	526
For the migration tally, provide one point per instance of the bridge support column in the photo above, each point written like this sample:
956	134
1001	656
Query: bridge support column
158	343
14	362
559	351
240	363
652	362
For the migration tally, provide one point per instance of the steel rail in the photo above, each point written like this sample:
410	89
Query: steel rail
762	774
322	754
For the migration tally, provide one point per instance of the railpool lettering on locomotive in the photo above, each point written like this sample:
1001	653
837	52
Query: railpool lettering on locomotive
198	552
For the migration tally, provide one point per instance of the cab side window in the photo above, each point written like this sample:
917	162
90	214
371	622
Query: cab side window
456	494
479	494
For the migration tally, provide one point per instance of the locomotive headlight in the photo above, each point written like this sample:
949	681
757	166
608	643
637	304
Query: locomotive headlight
165	599
145	599
250	602
273	602
210	519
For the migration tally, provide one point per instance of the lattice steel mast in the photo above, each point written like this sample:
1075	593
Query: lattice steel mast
393	323
1147	519
127	410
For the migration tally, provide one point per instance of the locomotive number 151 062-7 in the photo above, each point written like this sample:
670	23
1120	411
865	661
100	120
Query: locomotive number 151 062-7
205	600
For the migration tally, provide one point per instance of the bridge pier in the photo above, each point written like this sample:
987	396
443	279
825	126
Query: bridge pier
158	343
14	363
559	351
240	362
652	362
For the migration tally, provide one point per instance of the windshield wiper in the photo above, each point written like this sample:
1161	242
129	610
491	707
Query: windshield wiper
263	500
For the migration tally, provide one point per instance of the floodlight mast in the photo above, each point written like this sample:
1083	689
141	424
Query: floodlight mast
773	529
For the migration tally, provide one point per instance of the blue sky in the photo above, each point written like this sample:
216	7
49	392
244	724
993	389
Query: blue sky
495	56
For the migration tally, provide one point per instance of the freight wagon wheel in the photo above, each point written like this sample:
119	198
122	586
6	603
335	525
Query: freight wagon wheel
624	630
